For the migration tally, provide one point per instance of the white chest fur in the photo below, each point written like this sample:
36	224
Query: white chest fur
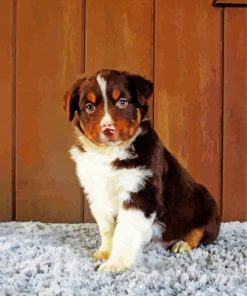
104	185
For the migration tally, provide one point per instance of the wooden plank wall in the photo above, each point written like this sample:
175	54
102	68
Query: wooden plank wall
187	86
193	51
6	92
235	115
48	60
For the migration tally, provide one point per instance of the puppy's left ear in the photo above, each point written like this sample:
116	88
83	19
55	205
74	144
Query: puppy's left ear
144	88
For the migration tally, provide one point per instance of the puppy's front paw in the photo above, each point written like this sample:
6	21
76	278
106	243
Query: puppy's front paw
181	247
101	255
112	266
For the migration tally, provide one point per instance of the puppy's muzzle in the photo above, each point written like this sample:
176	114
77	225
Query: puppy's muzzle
108	130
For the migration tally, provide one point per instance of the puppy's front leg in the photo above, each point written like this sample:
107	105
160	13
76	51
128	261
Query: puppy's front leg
106	226
133	230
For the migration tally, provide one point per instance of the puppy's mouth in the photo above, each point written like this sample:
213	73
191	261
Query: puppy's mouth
109	137
109	134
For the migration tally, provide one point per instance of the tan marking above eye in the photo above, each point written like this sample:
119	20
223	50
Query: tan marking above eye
116	94
138	116
91	97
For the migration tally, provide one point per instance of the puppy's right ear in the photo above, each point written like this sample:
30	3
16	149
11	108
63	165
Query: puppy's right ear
71	100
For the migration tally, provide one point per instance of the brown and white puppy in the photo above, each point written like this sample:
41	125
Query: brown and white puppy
136	188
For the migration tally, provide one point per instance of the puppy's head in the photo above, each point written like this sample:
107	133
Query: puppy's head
110	105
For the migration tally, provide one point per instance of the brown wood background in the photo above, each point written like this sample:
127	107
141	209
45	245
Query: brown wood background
194	51
7	62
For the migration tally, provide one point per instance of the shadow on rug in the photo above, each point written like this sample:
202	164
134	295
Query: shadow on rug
55	259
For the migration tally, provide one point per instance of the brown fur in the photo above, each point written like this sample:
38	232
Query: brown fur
181	204
194	237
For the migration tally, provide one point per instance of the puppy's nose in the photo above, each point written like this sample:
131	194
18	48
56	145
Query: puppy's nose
108	130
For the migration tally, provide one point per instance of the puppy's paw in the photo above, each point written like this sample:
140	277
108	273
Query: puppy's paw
101	255
112	266
181	247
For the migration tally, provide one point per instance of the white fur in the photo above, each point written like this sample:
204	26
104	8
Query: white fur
106	189
102	85
105	186
158	229
133	230
106	119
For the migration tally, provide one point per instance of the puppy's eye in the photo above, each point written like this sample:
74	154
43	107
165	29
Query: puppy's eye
90	108
122	103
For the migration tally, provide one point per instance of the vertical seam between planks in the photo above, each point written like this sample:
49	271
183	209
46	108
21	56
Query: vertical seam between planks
222	107
13	69
83	39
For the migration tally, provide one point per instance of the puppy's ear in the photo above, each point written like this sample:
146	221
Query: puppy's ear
71	100
143	87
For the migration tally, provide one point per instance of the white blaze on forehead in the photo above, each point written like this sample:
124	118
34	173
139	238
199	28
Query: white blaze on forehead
107	119
102	85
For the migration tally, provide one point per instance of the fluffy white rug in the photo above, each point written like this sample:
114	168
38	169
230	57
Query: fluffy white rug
55	259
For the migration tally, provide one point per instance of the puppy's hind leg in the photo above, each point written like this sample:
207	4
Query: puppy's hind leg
133	230
189	242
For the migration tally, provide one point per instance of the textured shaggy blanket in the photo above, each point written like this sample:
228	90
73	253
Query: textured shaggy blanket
55	259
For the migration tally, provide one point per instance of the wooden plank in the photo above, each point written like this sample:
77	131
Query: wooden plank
6	79
235	115
119	35
48	60
187	104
